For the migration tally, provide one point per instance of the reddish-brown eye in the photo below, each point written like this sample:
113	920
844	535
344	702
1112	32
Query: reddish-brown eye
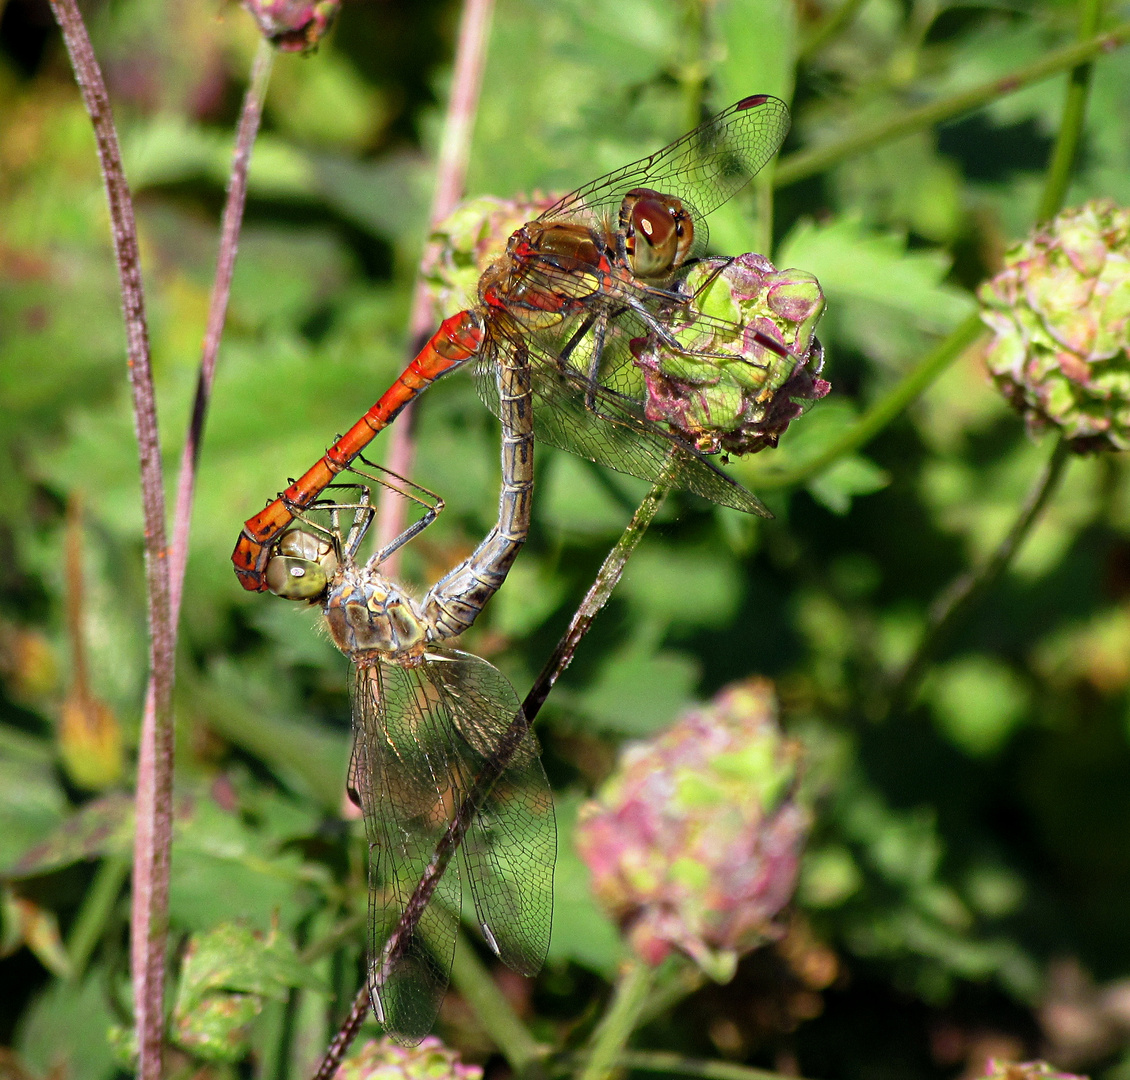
658	232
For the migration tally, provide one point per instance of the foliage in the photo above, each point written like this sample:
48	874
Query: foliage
964	842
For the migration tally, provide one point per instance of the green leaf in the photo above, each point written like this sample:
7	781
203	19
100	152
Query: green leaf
103	826
885	300
66	1027
978	701
854	475
639	691
227	975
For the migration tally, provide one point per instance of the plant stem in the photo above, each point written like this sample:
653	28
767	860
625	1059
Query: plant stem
829	28
155	765
805	163
677	1065
473	980
1071	126
967	589
97	905
872	422
232	221
451	177
618	1023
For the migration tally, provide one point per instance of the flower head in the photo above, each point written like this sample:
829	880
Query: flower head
1060	313
294	25
693	843
996	1069
382	1059
472	237
725	387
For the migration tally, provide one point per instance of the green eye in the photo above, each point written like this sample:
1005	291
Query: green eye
296	579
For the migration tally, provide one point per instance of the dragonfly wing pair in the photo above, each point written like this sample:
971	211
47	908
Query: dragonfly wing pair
423	734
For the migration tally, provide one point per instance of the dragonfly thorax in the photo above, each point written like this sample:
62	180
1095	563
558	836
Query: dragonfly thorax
548	272
368	614
657	232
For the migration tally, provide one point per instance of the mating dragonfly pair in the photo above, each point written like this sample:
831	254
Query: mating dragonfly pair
552	338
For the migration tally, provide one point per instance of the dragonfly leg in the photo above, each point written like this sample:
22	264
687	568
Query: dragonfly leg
600	334
570	346
417	527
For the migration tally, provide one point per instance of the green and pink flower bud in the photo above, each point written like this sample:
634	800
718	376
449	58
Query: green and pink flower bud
382	1059
693	843
466	242
996	1069
1060	315
294	25
726	387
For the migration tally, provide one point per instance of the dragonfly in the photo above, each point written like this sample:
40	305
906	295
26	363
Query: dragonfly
597	269
442	757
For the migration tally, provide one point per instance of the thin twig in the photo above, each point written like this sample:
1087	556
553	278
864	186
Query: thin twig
451	177
232	221
1071	126
155	766
964	593
829	27
805	163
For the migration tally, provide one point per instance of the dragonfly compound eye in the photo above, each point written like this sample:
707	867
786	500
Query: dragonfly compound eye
296	579
658	232
302	565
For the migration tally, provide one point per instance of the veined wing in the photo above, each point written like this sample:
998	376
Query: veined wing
704	168
615	432
510	848
423	735
400	771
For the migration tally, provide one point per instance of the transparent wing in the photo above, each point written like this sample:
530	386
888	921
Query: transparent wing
609	426
510	847
401	774
704	168
423	735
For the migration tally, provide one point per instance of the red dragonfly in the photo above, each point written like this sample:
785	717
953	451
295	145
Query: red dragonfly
575	286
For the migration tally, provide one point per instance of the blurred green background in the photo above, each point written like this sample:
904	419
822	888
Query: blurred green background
965	890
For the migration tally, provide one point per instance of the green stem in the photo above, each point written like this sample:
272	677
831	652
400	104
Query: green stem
829	28
620	1021
95	912
806	163
763	191
964	593
872	422
677	1065
1071	127
341	931
499	1020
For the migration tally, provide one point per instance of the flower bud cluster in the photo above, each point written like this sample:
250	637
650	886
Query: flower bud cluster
1060	315
745	360
694	841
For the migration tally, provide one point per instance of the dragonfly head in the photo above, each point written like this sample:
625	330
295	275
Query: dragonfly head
658	232
301	566
367	614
